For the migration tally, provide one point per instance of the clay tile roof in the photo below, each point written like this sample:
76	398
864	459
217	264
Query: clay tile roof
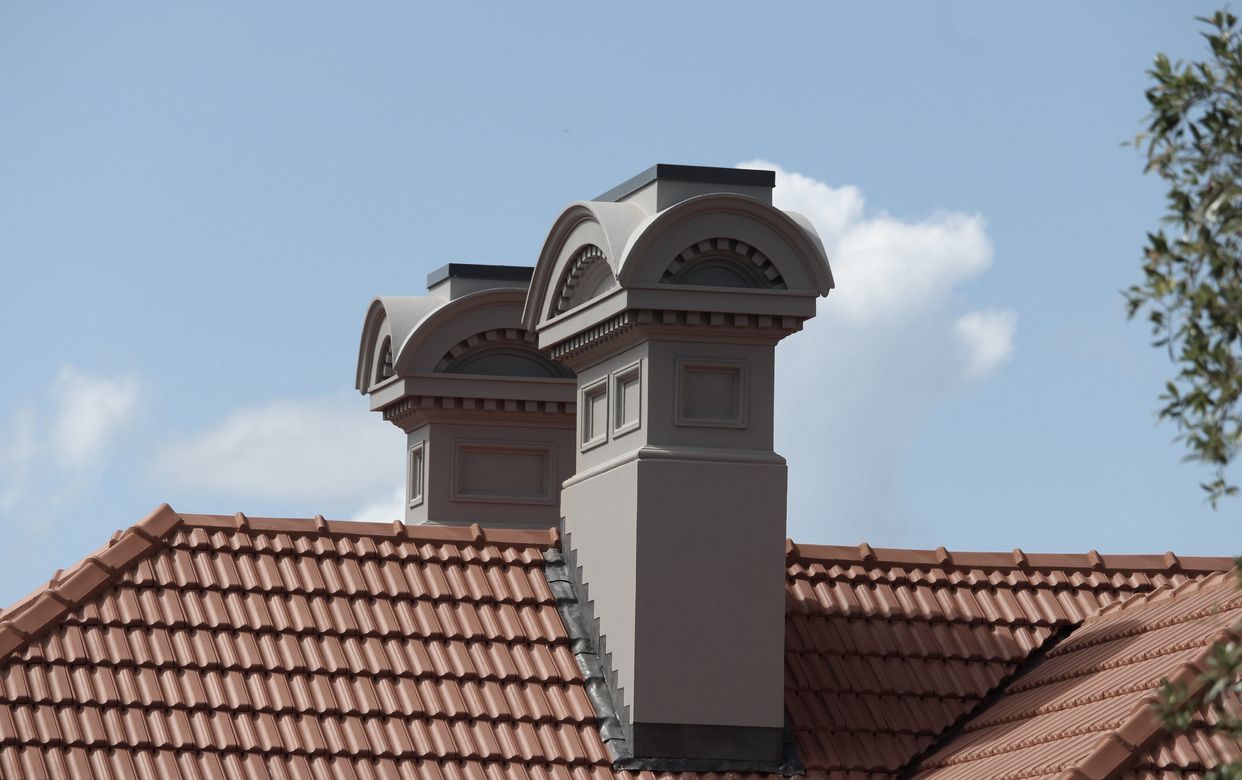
232	646
885	649
220	646
1085	710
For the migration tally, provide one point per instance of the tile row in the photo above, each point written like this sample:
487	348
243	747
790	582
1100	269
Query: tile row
907	638
1199	748
874	713
1061	694
845	753
904	675
298	693
134	728
195	538
1008	578
979	740
273	652
1088	659
1149	622
1036	606
105	764
410	578
337	615
1033	760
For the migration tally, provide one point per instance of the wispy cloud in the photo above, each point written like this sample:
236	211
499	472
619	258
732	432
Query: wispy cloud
53	448
18	450
320	450
988	338
90	411
889	343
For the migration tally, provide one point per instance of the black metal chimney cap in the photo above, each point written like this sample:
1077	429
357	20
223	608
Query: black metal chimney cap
699	174
498	273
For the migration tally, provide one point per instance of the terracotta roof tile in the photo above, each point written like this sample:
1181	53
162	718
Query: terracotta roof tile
234	646
1085	708
886	648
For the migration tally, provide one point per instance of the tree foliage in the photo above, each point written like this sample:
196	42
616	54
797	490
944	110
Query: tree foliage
1192	295
1213	697
1192	287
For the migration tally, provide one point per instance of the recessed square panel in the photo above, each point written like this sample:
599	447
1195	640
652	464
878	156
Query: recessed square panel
711	393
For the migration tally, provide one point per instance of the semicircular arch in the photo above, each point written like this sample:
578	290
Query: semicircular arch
784	247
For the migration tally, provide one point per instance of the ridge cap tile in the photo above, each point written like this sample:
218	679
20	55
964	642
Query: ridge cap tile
1087	562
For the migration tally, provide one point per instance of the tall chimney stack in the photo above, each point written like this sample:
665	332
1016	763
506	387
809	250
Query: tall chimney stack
488	418
667	296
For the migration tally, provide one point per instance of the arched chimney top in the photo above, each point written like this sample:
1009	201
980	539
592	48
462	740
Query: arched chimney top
674	237
469	323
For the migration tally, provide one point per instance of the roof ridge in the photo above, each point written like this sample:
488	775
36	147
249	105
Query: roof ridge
392	531
64	593
865	554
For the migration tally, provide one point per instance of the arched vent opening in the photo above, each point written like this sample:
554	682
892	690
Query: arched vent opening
586	276
507	352
383	366
724	262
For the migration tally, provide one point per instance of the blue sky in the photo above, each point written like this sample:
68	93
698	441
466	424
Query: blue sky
198	202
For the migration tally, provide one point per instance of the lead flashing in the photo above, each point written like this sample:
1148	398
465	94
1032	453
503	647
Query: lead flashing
586	650
697	174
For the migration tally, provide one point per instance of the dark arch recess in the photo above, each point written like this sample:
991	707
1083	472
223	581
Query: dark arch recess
723	262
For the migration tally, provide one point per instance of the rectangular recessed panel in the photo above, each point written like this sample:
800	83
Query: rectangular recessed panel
628	405
595	414
414	479
711	393
599	414
502	472
627	399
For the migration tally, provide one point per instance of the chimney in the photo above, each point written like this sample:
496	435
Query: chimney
488	419
667	296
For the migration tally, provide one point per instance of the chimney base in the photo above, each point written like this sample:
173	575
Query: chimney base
750	744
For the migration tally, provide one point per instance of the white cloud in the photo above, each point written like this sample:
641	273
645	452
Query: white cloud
319	450
988	338
18	450
889	344
384	510
90	411
55	448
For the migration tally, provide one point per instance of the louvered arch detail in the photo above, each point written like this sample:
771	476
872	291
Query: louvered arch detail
723	262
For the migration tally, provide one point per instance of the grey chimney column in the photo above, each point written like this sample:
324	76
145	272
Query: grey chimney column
488	418
667	297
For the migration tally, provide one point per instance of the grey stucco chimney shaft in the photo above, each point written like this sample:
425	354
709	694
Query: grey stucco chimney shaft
667	297
488	418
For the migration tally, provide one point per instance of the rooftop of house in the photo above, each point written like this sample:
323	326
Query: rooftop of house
230	646
628	610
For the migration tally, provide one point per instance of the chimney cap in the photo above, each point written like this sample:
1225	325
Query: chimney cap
495	273
697	174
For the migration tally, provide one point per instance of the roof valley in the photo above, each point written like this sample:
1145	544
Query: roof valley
990	698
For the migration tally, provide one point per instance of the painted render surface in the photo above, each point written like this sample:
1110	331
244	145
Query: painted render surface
667	305
488	419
